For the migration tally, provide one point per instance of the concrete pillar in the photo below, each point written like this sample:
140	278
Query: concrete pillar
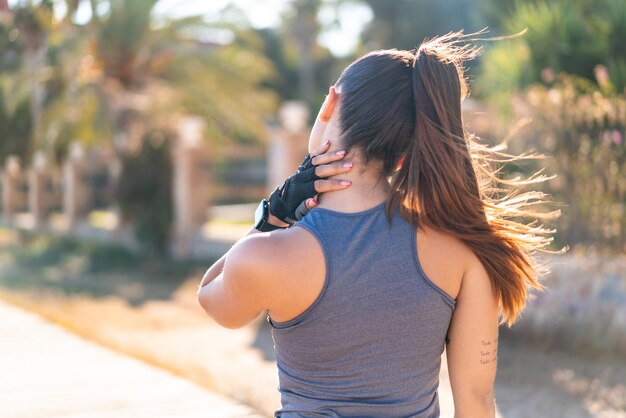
191	184
13	195
288	143
75	192
39	189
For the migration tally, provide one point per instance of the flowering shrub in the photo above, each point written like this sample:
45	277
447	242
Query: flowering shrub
582	129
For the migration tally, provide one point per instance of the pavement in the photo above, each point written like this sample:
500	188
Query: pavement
47	372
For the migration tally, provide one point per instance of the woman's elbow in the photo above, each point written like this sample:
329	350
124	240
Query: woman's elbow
221	318
202	299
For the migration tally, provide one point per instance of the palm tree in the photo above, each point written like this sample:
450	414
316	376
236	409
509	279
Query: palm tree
33	24
179	71
121	74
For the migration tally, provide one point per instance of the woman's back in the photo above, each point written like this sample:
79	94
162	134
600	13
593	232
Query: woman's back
358	325
370	344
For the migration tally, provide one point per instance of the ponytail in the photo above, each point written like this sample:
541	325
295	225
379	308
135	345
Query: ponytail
405	106
446	181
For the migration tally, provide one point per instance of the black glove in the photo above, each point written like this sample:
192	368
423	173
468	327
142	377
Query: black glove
288	203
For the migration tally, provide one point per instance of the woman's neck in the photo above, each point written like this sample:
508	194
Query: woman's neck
369	188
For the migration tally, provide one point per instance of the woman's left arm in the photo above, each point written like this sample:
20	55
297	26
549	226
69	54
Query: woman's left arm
472	346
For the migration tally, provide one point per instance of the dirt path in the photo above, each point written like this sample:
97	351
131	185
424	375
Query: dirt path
534	382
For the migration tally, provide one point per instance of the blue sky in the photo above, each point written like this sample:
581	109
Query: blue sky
340	39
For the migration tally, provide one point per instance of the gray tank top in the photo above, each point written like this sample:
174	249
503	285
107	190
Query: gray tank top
370	345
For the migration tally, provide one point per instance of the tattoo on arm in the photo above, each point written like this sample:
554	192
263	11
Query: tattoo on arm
489	351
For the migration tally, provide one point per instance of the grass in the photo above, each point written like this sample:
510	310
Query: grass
32	261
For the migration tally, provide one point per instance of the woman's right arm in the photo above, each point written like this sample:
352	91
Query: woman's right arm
472	346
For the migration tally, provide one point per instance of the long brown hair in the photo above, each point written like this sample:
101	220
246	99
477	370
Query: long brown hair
405	107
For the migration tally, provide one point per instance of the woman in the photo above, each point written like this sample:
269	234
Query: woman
407	249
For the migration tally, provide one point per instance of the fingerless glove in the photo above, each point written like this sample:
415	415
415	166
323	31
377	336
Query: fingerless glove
288	202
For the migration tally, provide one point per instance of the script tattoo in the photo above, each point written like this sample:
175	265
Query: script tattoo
489	351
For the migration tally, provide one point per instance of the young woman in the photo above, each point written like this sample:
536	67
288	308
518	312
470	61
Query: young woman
407	249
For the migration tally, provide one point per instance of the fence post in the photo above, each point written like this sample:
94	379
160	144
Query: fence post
74	190
38	182
288	143
191	185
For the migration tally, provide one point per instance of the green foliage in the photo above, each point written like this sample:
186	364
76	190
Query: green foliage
224	86
281	51
33	22
561	36
74	115
19	37
145	193
36	251
503	69
284	81
10	49
16	125
493	12
612	23
571	36
121	37
403	24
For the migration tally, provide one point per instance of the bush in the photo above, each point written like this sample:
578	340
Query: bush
144	193
567	74
584	130
571	36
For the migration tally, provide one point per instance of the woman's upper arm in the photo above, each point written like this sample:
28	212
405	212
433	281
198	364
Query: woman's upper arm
472	348
245	287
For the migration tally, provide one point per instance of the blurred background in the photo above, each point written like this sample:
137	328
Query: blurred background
137	137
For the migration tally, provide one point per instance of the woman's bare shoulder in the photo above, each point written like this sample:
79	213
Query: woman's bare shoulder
446	243
292	266
301	248
281	254
444	258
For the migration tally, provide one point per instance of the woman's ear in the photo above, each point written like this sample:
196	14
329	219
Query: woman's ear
328	107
